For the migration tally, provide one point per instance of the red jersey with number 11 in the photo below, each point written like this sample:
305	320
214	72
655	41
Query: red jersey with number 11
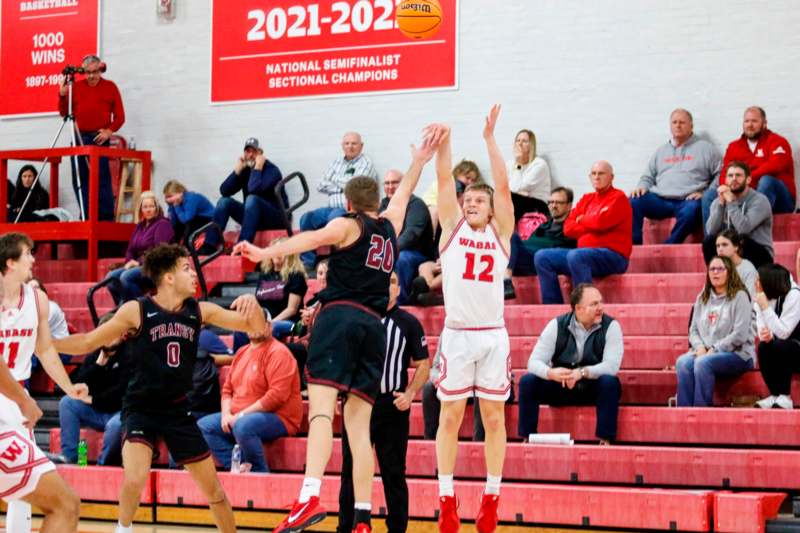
473	267
18	333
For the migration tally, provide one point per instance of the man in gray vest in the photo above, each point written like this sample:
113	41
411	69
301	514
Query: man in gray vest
575	362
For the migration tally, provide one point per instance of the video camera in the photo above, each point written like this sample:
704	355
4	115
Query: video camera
71	70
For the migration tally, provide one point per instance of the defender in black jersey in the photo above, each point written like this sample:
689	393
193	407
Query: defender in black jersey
348	342
165	330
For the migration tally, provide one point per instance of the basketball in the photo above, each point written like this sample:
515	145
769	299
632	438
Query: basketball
419	19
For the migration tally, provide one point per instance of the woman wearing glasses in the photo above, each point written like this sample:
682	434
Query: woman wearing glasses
721	335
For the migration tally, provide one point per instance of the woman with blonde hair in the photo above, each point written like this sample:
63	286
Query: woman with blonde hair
153	229
528	177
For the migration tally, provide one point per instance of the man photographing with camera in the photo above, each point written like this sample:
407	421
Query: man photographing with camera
97	108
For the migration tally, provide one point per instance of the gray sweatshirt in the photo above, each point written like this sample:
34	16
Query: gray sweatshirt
723	325
543	352
750	215
676	172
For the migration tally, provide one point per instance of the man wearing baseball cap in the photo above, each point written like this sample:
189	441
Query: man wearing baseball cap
256	177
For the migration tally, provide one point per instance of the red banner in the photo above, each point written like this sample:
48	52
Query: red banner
38	38
303	48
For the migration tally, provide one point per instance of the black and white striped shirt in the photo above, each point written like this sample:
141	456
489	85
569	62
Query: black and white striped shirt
405	341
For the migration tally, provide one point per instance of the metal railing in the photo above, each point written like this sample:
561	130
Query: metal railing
287	210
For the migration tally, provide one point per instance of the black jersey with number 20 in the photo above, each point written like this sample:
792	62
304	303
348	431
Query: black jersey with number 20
360	272
165	351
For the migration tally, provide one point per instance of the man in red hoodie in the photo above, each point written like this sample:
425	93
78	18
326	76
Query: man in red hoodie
602	223
769	157
98	110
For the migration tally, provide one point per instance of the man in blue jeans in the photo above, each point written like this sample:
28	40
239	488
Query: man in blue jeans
601	223
415	241
575	362
256	177
353	162
106	373
675	179
769	158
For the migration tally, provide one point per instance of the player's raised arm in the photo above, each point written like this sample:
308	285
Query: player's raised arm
396	210
127	318
447	207
245	315
335	232
503	205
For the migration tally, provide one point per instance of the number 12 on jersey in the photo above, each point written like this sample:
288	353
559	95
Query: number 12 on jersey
487	264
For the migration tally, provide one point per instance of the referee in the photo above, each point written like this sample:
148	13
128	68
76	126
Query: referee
405	347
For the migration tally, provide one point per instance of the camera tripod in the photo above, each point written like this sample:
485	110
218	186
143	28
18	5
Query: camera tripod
76	140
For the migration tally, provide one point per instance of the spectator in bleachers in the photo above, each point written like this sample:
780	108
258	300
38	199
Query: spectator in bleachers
547	235
465	173
415	241
777	305
575	362
97	106
56	318
769	157
281	289
153	229
729	244
256	177
677	176
9	193
188	211
260	403
528	177
106	373
601	223
353	162
39	199
390	420
745	210
721	335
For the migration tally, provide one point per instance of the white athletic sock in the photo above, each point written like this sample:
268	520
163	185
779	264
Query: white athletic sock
493	484
311	487
363	506
124	529
18	517
446	485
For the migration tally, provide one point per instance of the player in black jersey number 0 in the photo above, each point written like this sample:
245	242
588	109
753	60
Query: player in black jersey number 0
348	342
165	329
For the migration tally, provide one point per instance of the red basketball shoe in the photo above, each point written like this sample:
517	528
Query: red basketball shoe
448	514
302	515
486	522
361	527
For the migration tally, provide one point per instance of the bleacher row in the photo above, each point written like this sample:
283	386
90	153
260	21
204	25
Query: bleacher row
669	469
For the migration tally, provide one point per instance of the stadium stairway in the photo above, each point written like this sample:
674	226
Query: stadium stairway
689	469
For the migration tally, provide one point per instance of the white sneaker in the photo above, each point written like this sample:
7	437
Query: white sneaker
767	402
784	402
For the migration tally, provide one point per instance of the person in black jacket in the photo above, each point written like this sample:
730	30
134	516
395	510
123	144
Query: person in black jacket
106	372
39	199
256	176
415	241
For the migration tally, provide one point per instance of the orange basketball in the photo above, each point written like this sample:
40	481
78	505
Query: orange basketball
419	19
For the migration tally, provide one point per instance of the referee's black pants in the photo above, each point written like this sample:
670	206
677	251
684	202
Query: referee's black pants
389	434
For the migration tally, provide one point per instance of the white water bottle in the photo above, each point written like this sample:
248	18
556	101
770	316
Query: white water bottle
236	459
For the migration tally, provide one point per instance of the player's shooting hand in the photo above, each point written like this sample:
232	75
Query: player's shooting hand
30	411
438	134
491	121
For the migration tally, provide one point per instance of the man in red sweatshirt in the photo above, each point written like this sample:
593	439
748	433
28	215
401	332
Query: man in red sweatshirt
769	157
602	222
97	106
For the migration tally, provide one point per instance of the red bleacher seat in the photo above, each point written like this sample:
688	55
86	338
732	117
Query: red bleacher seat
784	228
745	512
689	257
648	465
101	483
